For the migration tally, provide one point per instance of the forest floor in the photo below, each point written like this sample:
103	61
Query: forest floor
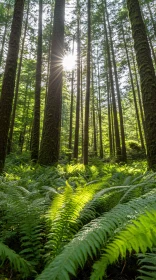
25	184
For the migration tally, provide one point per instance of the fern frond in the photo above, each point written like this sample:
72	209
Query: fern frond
148	265
92	238
18	263
138	236
63	214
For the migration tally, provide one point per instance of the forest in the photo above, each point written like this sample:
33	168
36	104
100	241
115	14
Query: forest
77	139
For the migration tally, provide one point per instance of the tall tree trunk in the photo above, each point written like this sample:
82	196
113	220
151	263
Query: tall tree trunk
50	144
147	78
9	147
76	143
149	39
138	91
116	125
133	91
124	155
4	34
94	121
9	79
86	124
82	128
36	121
26	105
99	112
109	119
71	109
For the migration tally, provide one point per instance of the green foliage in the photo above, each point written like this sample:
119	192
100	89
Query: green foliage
18	263
148	265
93	237
134	150
138	236
61	217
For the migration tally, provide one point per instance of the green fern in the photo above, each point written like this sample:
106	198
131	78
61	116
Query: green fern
22	217
93	237
139	236
18	263
148	265
63	217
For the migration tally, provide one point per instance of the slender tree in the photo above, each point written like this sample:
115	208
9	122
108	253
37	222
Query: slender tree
86	124
50	144
123	150
147	78
116	125
7	93
71	108
76	143
9	148
36	122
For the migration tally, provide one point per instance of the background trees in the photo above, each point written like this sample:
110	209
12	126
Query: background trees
113	119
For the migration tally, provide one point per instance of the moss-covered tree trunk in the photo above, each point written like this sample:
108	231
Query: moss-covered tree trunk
147	78
50	144
9	79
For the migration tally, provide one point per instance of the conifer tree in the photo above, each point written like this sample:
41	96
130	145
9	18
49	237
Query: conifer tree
7	93
50	143
147	78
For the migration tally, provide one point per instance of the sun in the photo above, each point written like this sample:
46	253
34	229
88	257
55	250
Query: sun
69	62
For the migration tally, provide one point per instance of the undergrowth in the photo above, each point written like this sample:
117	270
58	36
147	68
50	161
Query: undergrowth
57	220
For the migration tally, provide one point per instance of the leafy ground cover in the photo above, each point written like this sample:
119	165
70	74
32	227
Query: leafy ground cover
77	222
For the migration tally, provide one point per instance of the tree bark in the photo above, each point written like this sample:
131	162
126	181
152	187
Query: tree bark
71	110
133	91
9	147
76	143
36	122
9	79
123	150
86	124
116	125
50	144
147	78
94	120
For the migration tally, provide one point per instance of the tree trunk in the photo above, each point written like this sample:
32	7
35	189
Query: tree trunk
76	143
133	91
147	78
124	155
71	110
139	93
9	146
50	144
109	119
116	125
9	79
82	130
94	121
4	35
36	121
86	124
99	112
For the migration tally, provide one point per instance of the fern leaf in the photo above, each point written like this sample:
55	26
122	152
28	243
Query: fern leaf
92	238
139	236
18	263
148	265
